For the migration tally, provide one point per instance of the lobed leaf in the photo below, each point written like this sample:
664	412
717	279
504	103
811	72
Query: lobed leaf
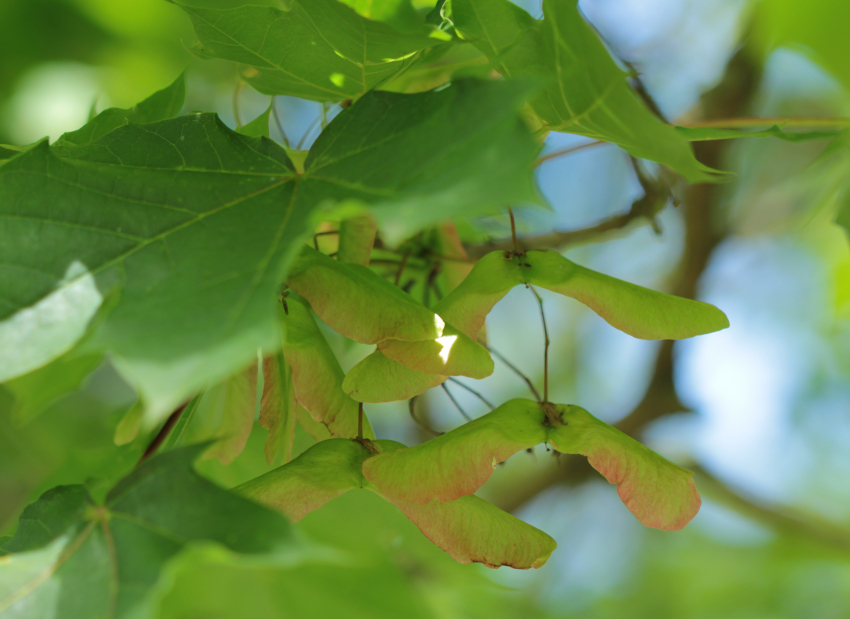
458	462
638	311
316	374
348	53
380	379
586	92
659	493
259	127
73	558
161	105
196	226
358	303
699	134
323	472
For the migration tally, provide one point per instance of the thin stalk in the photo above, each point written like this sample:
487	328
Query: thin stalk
546	346
567	151
308	131
515	369
513	229
411	406
279	123
360	422
237	90
472	391
163	433
401	266
455	402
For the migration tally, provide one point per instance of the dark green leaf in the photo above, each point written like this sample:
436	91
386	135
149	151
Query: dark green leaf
161	105
73	558
320	49
586	93
259	127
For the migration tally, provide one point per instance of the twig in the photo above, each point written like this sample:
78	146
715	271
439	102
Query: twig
516	370
546	345
513	229
472	391
401	266
163	433
455	402
360	421
567	151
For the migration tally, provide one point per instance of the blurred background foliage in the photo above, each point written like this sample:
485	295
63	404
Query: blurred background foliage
761	410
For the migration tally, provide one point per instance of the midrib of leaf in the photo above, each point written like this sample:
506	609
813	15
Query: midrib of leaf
261	269
66	554
114	575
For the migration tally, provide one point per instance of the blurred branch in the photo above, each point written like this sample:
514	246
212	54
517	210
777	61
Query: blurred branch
567	151
780	518
704	230
655	197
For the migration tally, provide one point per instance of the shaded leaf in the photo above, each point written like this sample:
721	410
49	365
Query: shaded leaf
358	303
72	558
35	391
259	127
452	354
356	239
659	493
161	105
380	379
348	54
131	423
226	413
586	92
456	152
458	462
318	431
317	375
325	471
277	408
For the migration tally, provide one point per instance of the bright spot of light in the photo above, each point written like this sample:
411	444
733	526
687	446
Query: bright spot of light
50	100
447	341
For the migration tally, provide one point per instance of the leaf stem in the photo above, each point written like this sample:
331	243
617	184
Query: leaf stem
237	90
411	406
567	151
360	422
163	433
515	369
546	345
472	391
401	266
279	123
455	402
513	229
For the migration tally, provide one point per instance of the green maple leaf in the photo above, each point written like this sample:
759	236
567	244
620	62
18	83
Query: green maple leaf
192	227
318	49
586	92
71	557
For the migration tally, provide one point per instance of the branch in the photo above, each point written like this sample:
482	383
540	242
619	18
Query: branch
780	518
656	196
